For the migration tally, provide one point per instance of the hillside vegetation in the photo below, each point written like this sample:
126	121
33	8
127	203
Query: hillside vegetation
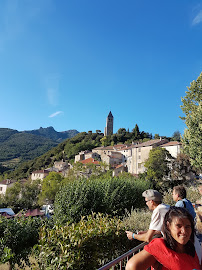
72	146
16	147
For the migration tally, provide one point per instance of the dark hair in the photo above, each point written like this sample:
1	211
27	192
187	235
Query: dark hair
171	243
181	191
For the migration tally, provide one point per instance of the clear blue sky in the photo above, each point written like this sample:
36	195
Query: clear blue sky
67	63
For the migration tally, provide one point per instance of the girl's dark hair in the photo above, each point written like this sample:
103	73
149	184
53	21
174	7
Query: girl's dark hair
171	243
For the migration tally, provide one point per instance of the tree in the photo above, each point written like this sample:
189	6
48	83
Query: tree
181	169
12	196
104	141
192	108
157	166
18	236
136	132
176	136
121	131
50	187
156	136
22	196
29	194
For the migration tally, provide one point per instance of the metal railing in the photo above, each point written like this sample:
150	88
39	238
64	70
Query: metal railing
122	260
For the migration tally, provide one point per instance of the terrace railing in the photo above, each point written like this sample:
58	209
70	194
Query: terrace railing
120	262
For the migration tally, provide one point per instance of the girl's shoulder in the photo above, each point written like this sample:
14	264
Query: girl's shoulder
156	245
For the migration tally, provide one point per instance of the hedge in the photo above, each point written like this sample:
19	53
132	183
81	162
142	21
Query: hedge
110	196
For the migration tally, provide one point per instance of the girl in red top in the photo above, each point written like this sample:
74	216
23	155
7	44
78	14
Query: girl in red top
173	252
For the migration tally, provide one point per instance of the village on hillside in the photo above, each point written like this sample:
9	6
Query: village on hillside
119	158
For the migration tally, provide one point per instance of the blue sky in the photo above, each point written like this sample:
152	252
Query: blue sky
67	63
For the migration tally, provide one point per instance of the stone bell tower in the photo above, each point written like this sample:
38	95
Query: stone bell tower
109	125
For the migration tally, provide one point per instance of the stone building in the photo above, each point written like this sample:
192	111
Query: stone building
140	153
83	155
39	174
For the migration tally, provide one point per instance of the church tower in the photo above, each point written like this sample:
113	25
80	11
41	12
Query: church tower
109	125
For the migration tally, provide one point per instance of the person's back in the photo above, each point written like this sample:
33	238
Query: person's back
188	205
179	196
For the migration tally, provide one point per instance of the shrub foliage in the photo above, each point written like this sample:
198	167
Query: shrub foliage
106	195
89	244
18	236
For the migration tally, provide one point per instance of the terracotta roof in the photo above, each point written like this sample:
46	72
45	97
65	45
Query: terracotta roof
149	143
119	166
31	213
41	171
7	182
4	214
90	161
99	148
34	213
171	143
119	145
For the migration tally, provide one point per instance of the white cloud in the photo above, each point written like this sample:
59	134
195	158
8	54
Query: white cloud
198	18
55	114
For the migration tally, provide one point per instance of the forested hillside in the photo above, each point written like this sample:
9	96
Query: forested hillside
16	147
65	150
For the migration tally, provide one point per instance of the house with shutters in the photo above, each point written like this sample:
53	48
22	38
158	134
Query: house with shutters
5	184
39	174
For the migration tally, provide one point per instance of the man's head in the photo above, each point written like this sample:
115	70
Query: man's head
179	193
200	189
152	198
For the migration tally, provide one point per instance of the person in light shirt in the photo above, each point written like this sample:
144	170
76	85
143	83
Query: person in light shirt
153	200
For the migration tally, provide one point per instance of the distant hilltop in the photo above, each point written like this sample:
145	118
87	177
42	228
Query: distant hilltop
52	134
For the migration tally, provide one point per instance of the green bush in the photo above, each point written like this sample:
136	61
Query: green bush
18	236
89	244
112	196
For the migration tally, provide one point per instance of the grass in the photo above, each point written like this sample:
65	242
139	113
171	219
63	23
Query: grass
137	220
199	219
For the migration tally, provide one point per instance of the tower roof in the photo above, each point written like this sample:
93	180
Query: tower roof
110	114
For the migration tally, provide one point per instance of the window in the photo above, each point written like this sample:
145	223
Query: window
139	149
139	165
1	188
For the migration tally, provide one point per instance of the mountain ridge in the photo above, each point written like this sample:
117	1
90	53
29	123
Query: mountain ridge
52	134
26	145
